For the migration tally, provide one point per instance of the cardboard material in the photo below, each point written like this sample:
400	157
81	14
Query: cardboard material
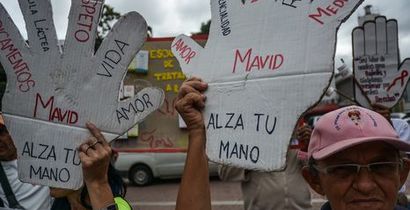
159	132
266	62
50	94
380	76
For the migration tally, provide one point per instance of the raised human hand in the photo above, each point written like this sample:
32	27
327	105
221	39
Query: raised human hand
266	62
191	102
52	92
377	67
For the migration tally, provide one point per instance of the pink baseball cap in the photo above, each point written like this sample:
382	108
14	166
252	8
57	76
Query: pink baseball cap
350	126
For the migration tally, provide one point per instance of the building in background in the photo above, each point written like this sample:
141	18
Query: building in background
161	131
369	15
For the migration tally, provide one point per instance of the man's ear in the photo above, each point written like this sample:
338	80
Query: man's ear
312	178
404	172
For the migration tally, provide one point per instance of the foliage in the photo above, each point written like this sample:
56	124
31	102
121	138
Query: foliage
108	18
204	27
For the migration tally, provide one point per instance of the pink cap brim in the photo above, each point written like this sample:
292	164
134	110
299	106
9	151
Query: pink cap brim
342	145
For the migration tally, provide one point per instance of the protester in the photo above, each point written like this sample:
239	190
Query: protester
401	126
20	195
103	189
194	190
290	189
357	163
339	148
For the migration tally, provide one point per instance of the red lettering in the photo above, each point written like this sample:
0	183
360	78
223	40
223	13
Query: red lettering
184	51
329	11
40	100
275	64
319	15
16	60
55	113
85	21
257	62
241	59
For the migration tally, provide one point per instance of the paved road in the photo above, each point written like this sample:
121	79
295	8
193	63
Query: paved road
162	196
225	196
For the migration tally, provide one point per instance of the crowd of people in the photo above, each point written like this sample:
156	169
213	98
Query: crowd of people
356	158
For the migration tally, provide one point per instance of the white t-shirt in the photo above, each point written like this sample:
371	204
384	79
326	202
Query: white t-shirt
402	129
29	196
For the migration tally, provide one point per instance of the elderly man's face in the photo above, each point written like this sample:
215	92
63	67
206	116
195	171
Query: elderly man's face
365	190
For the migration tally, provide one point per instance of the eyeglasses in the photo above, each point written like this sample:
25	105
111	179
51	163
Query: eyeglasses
348	170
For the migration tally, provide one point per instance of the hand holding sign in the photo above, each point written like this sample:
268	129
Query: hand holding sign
51	94
266	62
377	67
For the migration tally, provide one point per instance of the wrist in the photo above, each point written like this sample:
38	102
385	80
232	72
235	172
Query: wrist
197	139
197	130
96	184
100	195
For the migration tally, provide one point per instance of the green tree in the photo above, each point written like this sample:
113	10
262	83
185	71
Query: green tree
204	27
108	18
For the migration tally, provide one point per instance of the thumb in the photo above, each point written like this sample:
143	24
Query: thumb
399	81
134	110
187	52
394	90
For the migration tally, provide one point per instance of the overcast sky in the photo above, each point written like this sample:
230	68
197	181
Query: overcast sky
172	17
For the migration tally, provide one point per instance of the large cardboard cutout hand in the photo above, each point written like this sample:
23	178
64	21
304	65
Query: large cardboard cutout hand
266	62
381	77
52	93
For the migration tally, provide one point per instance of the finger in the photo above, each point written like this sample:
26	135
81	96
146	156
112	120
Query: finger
12	43
82	27
192	86
83	147
381	35
117	51
185	89
358	42
370	38
91	152
343	13
134	110
193	79
99	147
83	158
41	32
86	161
191	100
88	148
186	51
392	39
98	137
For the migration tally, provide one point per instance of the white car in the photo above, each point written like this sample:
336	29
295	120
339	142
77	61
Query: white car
142	167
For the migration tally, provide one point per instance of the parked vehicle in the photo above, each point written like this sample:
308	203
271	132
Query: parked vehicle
142	167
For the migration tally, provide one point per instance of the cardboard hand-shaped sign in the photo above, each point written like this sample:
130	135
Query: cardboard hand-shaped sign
51	92
266	63
380	76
